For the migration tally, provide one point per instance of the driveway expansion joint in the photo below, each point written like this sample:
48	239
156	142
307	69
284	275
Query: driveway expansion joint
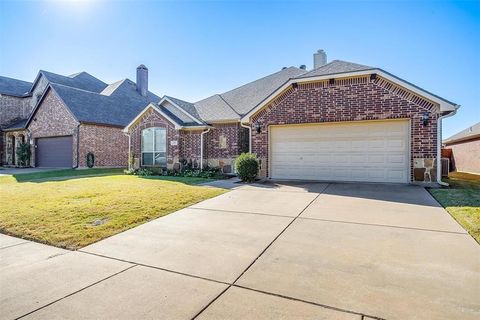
75	292
243	212
14	245
384	225
255	260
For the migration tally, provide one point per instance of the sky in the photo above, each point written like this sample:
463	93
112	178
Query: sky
194	49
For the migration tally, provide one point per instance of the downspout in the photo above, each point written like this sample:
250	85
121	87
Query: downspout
201	147
439	146
78	147
249	136
129	150
32	145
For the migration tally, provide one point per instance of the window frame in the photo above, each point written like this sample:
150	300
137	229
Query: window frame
154	151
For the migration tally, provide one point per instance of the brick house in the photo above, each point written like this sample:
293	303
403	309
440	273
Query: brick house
15	107
66	117
340	121
465	149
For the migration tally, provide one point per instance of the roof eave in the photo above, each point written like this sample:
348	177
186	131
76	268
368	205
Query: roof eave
463	139
166	98
154	107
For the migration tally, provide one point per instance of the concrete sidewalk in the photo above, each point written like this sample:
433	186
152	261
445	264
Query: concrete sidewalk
264	251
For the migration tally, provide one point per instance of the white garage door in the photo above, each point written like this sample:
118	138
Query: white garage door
373	151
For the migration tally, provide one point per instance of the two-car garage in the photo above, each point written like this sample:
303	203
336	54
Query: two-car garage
370	151
55	152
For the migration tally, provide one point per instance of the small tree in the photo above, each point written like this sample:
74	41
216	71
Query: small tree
247	167
23	154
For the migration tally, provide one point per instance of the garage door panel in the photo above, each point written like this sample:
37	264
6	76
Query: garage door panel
352	151
55	152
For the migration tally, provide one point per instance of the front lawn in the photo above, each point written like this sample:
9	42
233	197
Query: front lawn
71	210
462	200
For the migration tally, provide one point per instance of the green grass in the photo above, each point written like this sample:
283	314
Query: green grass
462	200
61	209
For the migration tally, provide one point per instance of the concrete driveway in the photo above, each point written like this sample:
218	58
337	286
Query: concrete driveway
273	251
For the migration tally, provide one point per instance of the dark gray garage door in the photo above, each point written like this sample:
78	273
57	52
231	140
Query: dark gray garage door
54	152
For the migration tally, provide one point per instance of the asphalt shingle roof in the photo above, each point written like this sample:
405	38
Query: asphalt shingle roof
335	66
245	98
186	106
177	115
119	107
81	80
465	134
20	124
232	104
215	108
14	87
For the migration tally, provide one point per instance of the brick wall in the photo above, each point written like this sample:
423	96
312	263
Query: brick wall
109	145
189	146
466	155
152	119
53	119
356	99
12	109
224	143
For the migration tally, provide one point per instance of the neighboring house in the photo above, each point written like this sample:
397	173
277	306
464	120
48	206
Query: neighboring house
341	121
15	107
465	147
67	117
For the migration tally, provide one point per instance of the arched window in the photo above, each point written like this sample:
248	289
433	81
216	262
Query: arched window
154	147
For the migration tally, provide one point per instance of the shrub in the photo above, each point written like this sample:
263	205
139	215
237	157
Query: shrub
144	172
208	173
23	154
247	167
90	160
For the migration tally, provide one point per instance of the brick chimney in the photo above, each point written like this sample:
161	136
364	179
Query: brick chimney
319	59
142	80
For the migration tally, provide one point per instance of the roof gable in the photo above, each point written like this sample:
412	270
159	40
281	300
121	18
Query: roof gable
116	109
81	80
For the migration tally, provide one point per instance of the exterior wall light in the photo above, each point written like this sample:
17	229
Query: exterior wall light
258	128
425	118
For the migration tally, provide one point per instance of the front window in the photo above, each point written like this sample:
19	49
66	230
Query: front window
154	147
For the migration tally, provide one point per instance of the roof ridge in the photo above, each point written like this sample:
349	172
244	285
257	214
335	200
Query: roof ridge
228	104
74	88
171	97
243	85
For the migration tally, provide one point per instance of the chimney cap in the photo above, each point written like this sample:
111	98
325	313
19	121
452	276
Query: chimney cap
142	66
303	67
